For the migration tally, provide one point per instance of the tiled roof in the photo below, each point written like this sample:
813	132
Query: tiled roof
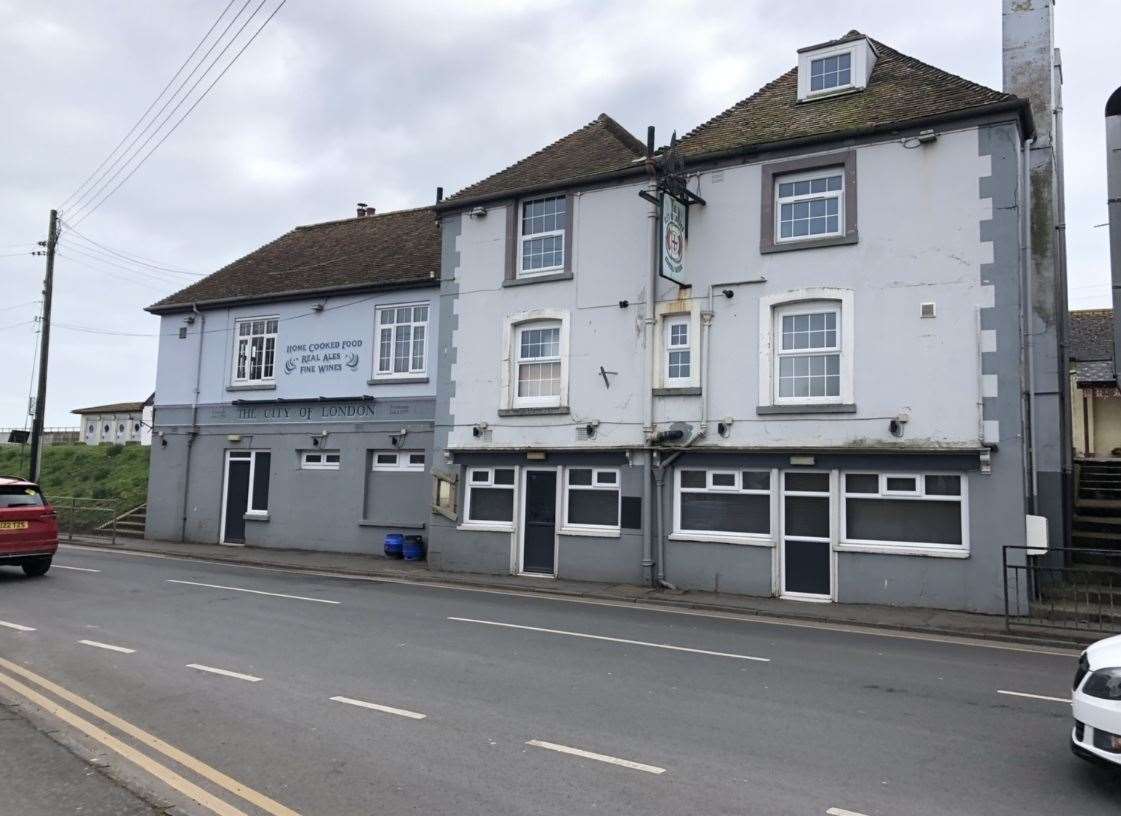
1097	371
112	408
601	146
1091	334
901	89
394	248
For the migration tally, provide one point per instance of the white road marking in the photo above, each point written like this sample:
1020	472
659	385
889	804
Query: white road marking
17	627
400	712
253	591
224	672
109	646
613	639
749	616
626	763
842	812
76	569
1034	696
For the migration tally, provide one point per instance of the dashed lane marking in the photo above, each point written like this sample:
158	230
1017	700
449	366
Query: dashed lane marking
613	639
99	645
76	569
625	763
400	712
224	672
253	591
1034	696
835	811
17	626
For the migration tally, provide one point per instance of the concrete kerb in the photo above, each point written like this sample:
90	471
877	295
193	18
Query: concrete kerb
636	596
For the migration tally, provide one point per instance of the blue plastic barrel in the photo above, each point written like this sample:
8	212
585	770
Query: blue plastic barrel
414	548
394	545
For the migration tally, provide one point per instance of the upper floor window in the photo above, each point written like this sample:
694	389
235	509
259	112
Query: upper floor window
254	350
808	352
541	235
810	205
831	72
402	340
538	364
679	350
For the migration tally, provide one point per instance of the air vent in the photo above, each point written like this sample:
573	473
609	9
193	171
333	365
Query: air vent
926	310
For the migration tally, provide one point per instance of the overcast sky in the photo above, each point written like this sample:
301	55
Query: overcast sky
357	100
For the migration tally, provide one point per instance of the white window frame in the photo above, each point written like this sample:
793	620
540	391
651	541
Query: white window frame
402	462
414	372
488	482
840	86
789	178
511	349
750	539
668	325
961	550
251	456
266	335
862	59
601	530
523	237
308	459
668	314
806	307
770	339
450	510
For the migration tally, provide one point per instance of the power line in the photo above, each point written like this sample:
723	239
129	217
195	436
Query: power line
136	281
153	276
15	254
194	105
17	325
95	330
17	305
128	256
144	115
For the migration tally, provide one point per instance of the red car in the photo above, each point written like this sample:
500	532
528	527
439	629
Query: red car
28	527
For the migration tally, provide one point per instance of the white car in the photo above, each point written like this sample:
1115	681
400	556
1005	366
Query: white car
1096	702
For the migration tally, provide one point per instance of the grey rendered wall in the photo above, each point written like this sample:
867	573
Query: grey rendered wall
708	567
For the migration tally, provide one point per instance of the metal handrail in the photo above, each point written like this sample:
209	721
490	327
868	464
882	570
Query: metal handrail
1052	591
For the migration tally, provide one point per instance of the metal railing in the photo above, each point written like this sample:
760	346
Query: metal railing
85	516
1068	588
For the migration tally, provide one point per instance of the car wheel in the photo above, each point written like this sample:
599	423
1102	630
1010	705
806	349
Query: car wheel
37	567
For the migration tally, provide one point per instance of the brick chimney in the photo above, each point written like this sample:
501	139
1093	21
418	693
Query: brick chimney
364	210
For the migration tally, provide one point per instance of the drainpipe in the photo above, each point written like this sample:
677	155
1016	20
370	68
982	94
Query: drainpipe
194	423
648	368
706	330
660	478
1026	334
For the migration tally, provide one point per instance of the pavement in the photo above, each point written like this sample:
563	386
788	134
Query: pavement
270	692
910	619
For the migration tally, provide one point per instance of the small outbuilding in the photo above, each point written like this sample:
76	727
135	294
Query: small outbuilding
120	423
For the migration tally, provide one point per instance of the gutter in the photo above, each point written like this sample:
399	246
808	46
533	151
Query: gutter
648	322
194	432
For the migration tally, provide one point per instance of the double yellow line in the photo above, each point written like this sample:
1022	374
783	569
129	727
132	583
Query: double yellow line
141	760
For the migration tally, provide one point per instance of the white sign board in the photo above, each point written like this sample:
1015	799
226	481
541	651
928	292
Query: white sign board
673	239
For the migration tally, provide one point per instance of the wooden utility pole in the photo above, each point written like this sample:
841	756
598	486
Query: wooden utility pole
44	352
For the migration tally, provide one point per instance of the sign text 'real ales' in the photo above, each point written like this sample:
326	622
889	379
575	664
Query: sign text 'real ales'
322	357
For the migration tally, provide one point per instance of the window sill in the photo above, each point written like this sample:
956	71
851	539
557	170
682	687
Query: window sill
546	410
588	532
372	523
546	277
807	408
723	538
420	378
678	391
482	527
903	548
252	387
809	243
256	517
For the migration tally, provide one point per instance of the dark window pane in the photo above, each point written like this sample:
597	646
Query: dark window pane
901	484
492	504
928	522
14	496
580	476
261	481
693	478
755	480
726	512
504	476
723	480
807	516
808	482
939	485
862	483
479	475
593	507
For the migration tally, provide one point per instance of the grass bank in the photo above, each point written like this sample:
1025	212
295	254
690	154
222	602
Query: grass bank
108	472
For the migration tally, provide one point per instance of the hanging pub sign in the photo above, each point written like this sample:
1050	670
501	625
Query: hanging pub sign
674	215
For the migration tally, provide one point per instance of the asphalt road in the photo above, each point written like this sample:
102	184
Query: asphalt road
565	708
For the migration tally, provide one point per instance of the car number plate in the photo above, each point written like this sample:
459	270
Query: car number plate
12	525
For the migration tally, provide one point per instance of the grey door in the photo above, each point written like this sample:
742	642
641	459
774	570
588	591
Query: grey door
539	531
237	500
807	556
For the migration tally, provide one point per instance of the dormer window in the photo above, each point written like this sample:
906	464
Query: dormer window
838	66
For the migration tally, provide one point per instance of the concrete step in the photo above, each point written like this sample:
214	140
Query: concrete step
1106	595
1097	524
1099	493
1081	615
1097	509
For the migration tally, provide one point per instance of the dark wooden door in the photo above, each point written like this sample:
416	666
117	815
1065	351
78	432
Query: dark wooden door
540	522
237	500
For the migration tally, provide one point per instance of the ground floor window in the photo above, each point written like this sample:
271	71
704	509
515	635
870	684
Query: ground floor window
319	460
398	460
490	496
722	504
259	464
591	500
906	510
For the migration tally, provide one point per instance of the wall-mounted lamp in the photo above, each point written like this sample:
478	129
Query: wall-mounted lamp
479	430
724	427
728	293
624	304
478	212
318	307
895	426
